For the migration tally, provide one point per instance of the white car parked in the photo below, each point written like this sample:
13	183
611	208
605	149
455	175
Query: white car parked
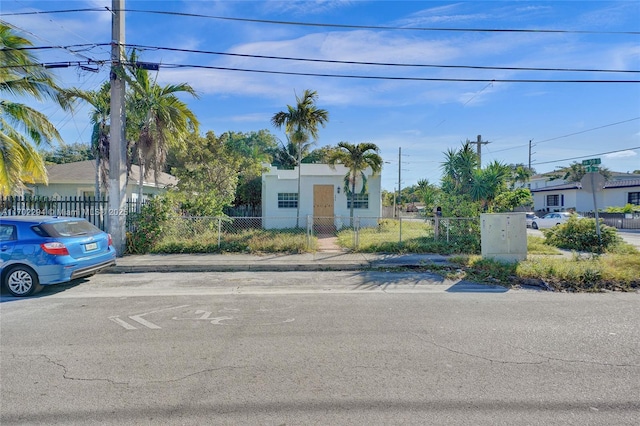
550	220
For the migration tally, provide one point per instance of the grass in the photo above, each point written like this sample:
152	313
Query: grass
417	237
618	269
246	241
591	273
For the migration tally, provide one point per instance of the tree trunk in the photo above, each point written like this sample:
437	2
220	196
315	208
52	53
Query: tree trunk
353	196
140	182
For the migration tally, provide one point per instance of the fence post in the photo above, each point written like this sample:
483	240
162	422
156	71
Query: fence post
309	230
436	227
356	233
219	231
448	225
400	219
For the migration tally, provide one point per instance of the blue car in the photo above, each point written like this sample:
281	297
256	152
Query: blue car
44	250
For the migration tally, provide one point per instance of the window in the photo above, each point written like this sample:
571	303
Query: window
7	233
287	200
361	201
553	200
634	198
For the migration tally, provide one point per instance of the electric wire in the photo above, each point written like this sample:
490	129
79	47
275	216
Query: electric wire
586	156
345	26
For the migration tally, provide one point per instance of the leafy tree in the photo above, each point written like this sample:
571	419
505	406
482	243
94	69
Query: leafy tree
23	128
68	154
576	171
357	158
253	149
319	155
207	172
161	119
509	200
458	169
285	156
487	183
301	123
520	174
429	195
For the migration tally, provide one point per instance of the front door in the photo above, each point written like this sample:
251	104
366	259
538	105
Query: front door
323	209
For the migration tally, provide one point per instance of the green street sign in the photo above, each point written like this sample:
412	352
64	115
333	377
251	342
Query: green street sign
591	169
591	162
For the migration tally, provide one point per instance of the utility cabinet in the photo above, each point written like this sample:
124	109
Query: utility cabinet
503	236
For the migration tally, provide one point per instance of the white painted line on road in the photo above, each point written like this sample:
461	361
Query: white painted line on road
140	320
124	324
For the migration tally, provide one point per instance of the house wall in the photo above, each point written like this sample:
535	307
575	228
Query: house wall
582	201
276	181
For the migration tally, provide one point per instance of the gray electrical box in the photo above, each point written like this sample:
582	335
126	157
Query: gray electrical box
503	236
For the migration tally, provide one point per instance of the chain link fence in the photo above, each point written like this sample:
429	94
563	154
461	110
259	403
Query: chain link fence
279	234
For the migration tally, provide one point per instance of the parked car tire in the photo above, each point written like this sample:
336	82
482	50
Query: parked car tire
534	225
21	281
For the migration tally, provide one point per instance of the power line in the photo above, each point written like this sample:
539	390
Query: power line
586	156
331	61
588	130
571	134
351	76
315	24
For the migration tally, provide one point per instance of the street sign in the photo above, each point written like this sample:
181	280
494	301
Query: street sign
591	162
591	169
593	182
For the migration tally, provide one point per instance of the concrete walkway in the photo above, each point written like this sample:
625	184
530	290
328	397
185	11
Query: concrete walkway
319	261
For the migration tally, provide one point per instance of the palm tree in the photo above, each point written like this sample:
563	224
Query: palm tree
357	158
159	120
22	128
489	182
301	123
100	137
459	166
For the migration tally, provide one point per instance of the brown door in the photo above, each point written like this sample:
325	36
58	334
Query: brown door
323	209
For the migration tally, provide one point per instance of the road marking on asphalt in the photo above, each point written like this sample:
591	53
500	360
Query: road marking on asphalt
138	318
124	324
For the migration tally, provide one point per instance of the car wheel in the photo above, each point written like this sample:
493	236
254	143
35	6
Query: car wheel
21	281
534	225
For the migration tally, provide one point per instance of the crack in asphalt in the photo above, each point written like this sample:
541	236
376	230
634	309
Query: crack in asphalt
66	376
546	358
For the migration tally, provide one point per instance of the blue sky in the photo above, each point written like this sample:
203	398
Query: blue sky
566	122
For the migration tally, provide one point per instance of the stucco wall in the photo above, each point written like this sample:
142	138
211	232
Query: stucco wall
276	181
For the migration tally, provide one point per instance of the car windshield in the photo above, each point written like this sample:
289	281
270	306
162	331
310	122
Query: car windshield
72	228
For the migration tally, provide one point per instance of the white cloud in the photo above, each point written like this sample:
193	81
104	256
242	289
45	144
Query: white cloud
621	154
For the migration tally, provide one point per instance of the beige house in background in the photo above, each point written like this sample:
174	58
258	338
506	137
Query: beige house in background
78	179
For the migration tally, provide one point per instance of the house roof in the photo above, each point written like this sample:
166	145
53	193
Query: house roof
84	172
576	185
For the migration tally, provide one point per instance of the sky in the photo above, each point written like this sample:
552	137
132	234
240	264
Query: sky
416	78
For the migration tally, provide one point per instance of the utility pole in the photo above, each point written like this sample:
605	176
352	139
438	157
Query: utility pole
117	213
479	144
400	188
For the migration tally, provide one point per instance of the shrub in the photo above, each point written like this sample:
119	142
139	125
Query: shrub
150	225
580	234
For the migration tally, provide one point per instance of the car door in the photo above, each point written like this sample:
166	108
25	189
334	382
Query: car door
8	236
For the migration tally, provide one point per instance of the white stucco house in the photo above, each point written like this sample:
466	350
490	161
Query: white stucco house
558	195
322	197
78	179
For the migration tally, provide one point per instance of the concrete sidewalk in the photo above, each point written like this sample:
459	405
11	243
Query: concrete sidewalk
320	261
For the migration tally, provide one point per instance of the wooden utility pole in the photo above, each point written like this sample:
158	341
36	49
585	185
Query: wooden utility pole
479	144
117	213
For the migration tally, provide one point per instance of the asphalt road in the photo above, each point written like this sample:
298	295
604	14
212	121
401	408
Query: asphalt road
321	348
